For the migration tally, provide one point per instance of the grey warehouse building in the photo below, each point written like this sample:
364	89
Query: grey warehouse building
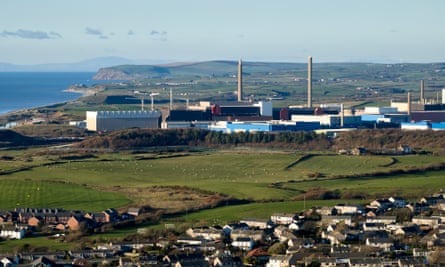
118	120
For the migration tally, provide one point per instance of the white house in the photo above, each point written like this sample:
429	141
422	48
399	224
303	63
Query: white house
282	218
243	243
282	261
348	209
13	232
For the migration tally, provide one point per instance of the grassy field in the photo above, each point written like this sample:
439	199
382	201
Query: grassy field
271	181
114	180
19	193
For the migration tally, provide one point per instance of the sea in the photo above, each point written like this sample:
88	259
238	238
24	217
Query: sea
22	90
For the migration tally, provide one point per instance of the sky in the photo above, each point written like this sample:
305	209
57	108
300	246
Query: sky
62	31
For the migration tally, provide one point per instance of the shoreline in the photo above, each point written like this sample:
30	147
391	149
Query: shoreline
84	91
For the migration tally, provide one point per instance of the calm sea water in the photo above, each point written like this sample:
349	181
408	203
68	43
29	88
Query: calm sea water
20	90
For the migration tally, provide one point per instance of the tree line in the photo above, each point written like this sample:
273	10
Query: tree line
140	138
372	139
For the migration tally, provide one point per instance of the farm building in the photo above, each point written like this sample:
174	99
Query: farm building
118	120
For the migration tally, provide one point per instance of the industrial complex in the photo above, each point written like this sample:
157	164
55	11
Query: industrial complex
244	115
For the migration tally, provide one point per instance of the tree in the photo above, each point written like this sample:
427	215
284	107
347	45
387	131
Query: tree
277	248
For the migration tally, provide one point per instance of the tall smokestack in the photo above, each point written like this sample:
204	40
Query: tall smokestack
171	99
409	103
422	96
342	115
240	81
309	82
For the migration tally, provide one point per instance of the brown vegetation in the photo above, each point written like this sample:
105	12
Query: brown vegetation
171	199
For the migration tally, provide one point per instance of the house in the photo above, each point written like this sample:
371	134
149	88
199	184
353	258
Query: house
405	149
381	204
258	255
409	230
433	200
81	262
397	202
43	262
359	151
228	228
97	217
205	232
327	262
7	262
256	223
328	220
111	215
24	217
221	260
35	221
192	263
345	209
301	242
411	262
365	262
63	217
334	237
373	226
283	233
282	218
324	211
29	257
418	207
185	260
134	211
282	261
194	241
73	223
381	219
12	232
384	243
243	243
425	221
256	235
90	254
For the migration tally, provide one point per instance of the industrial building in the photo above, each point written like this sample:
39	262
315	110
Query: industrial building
423	125
118	120
205	113
268	126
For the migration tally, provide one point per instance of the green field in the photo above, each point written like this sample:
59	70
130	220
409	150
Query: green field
268	181
89	184
19	193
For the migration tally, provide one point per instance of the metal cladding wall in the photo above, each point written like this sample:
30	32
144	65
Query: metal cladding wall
433	116
118	120
189	115
438	126
248	127
422	125
240	111
371	117
299	126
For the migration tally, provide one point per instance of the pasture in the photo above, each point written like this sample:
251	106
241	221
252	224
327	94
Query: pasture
117	180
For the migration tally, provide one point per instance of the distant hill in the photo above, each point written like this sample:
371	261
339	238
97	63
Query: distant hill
201	69
90	65
364	71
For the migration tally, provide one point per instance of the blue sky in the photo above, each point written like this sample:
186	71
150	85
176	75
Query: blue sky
56	31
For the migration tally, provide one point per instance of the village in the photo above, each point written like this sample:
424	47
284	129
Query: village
384	232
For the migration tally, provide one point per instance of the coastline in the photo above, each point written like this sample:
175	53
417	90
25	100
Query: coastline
25	92
84	90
